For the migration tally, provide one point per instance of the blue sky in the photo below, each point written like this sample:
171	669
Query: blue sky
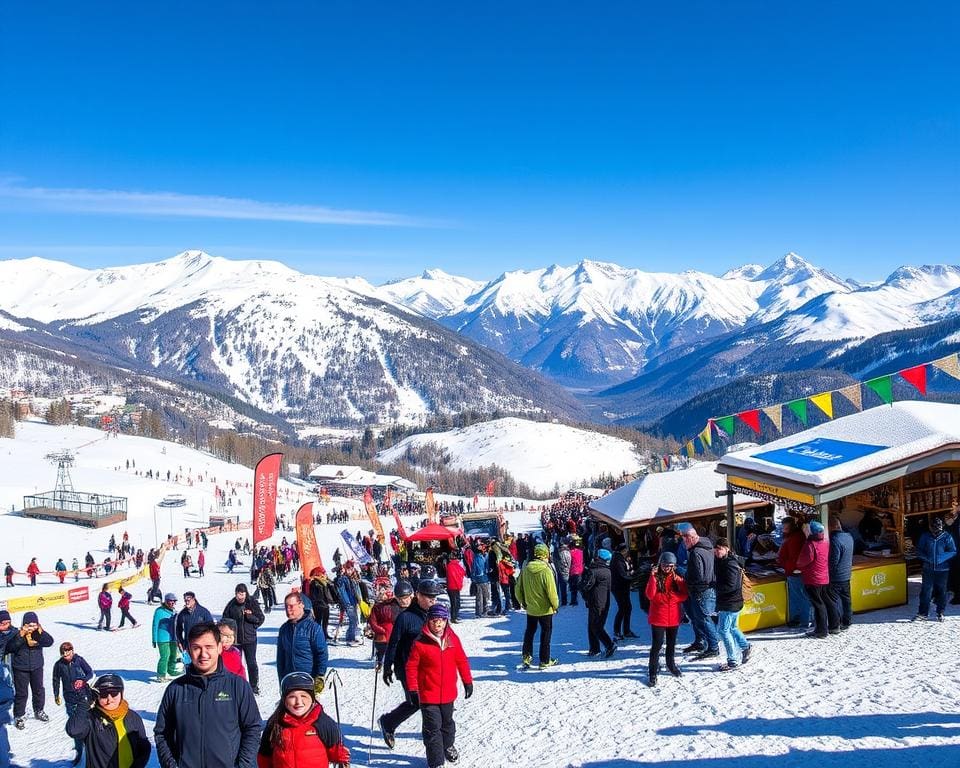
383	138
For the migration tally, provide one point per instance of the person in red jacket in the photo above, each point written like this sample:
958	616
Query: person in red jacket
814	565
299	734
436	659
385	613
33	570
231	654
666	591
154	591
455	575
798	604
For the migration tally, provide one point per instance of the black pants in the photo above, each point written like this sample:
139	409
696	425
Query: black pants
596	633
403	711
22	680
322	617
154	592
495	604
439	731
125	616
621	619
250	655
825	615
574	587
659	634
840	594
545	623
104	617
454	595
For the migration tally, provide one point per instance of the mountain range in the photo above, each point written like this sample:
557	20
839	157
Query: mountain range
633	345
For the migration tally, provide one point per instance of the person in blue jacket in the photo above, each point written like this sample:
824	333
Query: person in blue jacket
301	646
481	578
935	548
72	672
190	615
841	567
347	596
165	637
208	717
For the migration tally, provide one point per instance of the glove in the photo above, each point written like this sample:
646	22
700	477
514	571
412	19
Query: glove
57	700
387	675
154	645
338	753
318	685
413	698
467	690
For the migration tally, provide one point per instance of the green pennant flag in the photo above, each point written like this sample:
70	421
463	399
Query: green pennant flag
799	409
727	424
883	386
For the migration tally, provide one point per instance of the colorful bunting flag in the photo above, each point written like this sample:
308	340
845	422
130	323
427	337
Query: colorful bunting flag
852	393
705	436
697	446
917	376
727	424
950	365
824	401
775	414
883	386
689	448
751	418
799	409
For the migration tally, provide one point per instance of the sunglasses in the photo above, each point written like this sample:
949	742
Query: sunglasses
65	651
109	694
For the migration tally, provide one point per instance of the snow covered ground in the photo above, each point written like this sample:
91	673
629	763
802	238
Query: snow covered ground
883	694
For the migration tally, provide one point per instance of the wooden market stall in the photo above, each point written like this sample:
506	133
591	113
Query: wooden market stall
883	471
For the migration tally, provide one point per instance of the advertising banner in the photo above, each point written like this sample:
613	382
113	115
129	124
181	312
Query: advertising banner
307	540
880	587
265	478
360	555
818	454
373	515
768	608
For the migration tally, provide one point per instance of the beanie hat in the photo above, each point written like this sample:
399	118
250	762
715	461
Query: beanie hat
668	558
297	681
541	551
30	618
816	527
683	527
4	615
438	611
403	588
169	598
428	587
604	554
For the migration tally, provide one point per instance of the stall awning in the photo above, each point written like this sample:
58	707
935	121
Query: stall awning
666	497
434	532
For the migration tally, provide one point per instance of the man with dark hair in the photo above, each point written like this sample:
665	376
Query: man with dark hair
208	717
301	646
26	653
702	588
248	616
190	615
841	569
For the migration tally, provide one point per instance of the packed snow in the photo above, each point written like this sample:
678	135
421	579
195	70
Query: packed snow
881	695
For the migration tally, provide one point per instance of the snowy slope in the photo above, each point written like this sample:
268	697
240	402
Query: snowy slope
541	455
432	294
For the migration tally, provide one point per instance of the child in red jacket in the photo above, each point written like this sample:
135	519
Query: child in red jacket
435	660
299	734
666	590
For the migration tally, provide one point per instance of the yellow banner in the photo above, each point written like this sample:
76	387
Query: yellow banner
880	587
767	609
773	490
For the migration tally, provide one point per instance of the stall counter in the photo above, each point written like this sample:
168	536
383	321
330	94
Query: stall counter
878	582
769	605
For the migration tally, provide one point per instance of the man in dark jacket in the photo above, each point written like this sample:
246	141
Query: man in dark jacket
71	672
248	616
841	567
406	629
729	577
208	717
300	643
621	573
321	596
112	733
26	660
701	585
596	586
190	615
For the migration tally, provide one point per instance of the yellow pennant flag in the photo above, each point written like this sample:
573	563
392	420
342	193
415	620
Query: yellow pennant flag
852	393
950	365
775	414
824	401
705	436
689	449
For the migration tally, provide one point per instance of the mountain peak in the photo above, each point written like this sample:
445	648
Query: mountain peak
746	272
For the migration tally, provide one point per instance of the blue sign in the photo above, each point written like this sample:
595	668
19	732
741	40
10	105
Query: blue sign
818	454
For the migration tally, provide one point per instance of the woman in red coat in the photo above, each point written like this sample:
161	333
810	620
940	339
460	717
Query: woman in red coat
666	590
384	614
435	660
299	734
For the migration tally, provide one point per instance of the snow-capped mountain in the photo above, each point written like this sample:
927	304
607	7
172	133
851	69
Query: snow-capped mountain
432	294
300	346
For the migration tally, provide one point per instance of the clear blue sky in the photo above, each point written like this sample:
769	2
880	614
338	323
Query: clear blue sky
382	138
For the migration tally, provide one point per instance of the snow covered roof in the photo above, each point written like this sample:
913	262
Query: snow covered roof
333	471
361	478
667	496
861	444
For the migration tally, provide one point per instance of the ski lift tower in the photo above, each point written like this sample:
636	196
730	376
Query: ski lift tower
64	488
65	504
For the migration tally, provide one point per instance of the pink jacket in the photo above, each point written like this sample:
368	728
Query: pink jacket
576	561
814	561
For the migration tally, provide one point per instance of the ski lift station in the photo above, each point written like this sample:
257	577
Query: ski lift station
64	504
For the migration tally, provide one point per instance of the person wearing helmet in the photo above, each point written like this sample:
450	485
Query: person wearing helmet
384	615
666	590
112	733
299	732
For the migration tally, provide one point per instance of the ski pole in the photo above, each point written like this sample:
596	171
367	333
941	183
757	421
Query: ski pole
333	678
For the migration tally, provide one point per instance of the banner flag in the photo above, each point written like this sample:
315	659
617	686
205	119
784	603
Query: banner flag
824	401
401	531
799	409
387	500
697	446
775	414
689	449
491	486
265	478
705	436
727	424
307	540
476	501
361	555
950	365
917	376
751	418
431	505
883	386
373	515
852	393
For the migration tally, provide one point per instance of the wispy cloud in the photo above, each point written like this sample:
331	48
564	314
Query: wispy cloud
175	204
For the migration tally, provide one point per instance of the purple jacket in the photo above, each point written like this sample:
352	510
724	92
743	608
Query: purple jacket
814	560
105	600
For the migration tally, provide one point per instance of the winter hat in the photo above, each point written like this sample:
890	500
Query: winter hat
816	527
438	611
30	618
403	588
606	543
683	527
108	682
169	598
428	587
541	552
604	554
5	616
297	681
668	558
240	588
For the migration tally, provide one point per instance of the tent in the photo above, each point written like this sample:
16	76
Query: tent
433	532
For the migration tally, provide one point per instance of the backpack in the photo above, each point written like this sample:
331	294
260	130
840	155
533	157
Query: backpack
587	582
746	588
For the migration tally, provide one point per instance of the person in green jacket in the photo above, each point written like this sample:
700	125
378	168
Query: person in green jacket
165	637
537	593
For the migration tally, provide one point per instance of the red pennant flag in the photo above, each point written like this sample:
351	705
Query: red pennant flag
265	478
401	531
751	419
373	515
307	541
917	376
490	487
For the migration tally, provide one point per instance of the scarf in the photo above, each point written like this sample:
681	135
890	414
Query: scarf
124	750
